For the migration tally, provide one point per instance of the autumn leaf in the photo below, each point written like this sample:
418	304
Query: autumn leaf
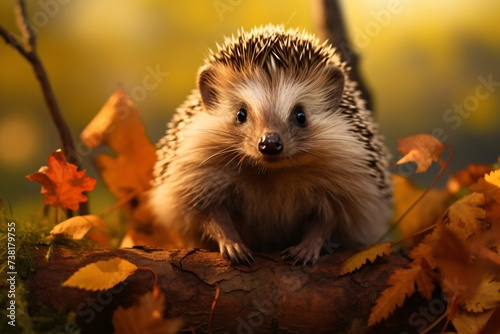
370	254
422	149
118	125
492	322
423	252
424	282
128	173
78	226
460	275
101	275
486	297
471	323
146	317
62	184
489	185
402	285
466	216
426	211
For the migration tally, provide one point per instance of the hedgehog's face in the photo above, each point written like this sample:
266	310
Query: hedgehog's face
276	116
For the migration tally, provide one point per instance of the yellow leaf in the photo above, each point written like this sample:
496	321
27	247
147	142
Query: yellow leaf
493	177
359	259
486	297
422	149
78	226
101	275
402	283
470	323
426	211
147	317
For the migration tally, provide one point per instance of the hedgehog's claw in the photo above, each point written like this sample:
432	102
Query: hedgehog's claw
236	253
302	255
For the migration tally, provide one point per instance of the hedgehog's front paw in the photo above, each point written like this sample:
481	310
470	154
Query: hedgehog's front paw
304	253
236	253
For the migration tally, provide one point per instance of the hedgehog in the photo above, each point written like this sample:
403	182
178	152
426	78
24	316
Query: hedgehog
273	151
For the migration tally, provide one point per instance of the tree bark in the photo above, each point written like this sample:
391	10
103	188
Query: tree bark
272	296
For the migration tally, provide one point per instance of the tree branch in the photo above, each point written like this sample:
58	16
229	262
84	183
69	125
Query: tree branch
28	51
332	27
271	296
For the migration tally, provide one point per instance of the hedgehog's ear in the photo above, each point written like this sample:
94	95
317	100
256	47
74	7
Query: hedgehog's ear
336	80
206	86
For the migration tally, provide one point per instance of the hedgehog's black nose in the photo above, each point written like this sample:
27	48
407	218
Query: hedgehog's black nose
270	143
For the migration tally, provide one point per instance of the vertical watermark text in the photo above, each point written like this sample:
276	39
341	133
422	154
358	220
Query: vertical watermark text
11	273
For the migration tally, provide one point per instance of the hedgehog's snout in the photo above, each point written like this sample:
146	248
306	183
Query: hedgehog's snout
270	143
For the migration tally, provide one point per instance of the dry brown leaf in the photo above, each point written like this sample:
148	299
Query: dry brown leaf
101	275
370	254
62	184
402	285
118	125
460	277
78	226
146	317
422	149
424	214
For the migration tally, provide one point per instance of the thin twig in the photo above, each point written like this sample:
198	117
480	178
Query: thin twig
28	51
212	309
25	26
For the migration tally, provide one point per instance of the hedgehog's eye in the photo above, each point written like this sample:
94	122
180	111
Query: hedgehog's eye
241	115
299	115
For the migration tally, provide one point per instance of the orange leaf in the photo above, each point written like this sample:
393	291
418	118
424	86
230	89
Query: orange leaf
118	124
424	252
370	254
402	283
422	149
147	317
62	184
424	283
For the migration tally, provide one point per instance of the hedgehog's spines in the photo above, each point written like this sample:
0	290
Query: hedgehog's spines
271	47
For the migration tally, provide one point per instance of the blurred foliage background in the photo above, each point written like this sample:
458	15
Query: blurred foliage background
423	60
